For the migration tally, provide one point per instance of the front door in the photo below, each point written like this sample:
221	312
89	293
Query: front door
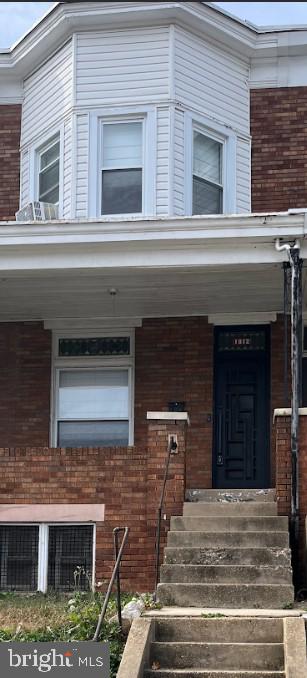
241	440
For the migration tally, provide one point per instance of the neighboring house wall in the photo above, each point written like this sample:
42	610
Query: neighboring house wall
279	148
10	116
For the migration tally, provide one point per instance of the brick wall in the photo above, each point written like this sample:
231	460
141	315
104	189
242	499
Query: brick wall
283	482
25	371
174	361
10	119
279	148
126	480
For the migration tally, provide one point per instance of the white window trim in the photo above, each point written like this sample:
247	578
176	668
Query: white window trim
35	151
43	546
145	114
84	362
228	139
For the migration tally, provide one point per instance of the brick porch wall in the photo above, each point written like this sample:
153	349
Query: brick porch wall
128	481
279	148
10	120
283	479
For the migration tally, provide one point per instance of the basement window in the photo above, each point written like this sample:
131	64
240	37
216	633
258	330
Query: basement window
18	558
41	557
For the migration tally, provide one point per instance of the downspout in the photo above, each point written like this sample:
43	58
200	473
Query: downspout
293	252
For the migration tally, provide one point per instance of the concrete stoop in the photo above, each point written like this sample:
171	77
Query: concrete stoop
229	549
227	553
228	647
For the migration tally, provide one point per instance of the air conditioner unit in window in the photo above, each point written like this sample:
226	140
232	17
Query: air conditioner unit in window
38	211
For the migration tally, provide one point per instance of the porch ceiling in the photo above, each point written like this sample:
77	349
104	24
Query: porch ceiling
142	293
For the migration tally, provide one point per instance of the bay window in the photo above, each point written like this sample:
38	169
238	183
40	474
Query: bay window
122	167
48	165
207	174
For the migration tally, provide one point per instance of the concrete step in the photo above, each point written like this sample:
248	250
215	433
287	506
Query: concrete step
232	495
276	557
227	539
211	508
230	524
231	574
248	656
271	596
204	673
227	629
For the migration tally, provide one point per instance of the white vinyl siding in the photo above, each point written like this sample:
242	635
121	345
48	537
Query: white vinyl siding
243	175
47	95
123	66
82	160
24	178
179	160
211	80
163	150
68	170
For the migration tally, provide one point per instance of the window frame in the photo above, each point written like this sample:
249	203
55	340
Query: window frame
146	115
102	169
107	363
42	144
43	546
46	147
227	138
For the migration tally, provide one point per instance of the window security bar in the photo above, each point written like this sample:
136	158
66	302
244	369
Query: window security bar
115	575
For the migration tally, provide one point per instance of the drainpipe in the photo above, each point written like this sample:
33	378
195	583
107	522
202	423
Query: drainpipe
293	252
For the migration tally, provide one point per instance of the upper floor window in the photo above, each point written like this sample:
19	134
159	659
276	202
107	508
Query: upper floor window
49	171
210	166
207	175
122	168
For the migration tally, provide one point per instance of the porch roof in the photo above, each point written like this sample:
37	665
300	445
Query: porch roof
157	267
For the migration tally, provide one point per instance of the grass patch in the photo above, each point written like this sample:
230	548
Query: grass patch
51	618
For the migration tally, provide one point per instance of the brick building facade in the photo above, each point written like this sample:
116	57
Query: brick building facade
168	277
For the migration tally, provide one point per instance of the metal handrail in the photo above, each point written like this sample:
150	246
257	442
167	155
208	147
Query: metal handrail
115	574
171	449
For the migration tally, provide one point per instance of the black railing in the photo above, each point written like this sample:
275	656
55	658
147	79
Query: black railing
171	449
118	551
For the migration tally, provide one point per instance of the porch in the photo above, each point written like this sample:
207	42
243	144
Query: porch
144	304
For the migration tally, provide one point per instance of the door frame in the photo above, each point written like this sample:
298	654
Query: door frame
267	361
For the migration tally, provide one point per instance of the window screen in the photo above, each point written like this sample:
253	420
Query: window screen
207	175
18	558
49	172
122	168
93	408
70	557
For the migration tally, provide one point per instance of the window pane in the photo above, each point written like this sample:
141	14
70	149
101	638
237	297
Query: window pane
49	184
121	191
93	433
70	557
93	394
50	155
18	558
207	158
207	199
122	145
